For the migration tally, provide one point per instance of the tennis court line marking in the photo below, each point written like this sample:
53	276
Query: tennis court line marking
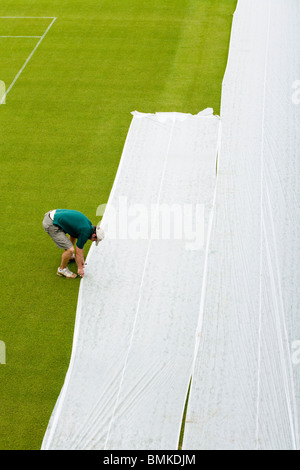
30	55
20	36
29	17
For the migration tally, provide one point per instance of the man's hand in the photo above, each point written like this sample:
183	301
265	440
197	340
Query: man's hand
80	272
79	258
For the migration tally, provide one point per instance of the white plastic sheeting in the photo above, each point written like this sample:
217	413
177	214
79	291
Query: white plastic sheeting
139	301
245	391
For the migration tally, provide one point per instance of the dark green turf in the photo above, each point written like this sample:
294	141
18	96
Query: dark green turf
62	131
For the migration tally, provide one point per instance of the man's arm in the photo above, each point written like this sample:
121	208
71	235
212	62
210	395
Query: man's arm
79	258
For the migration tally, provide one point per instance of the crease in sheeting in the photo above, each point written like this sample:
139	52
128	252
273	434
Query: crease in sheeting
141	287
262	220
206	255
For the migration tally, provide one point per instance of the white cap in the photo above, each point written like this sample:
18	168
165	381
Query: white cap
100	234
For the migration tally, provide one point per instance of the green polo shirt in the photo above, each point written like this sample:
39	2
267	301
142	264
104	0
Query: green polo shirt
75	224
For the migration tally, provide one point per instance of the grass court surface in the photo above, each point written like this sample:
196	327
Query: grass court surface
63	127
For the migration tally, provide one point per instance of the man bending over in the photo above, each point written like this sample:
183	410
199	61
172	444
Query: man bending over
60	222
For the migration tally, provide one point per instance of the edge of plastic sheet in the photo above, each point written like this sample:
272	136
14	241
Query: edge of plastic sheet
174	116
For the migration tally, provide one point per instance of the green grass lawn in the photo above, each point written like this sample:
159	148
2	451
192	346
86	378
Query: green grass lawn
62	132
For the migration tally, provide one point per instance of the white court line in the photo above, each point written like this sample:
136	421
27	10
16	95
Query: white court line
28	58
29	17
20	36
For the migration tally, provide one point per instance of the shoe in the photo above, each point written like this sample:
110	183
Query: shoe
66	273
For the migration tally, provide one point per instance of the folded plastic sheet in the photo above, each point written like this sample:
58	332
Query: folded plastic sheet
138	303
245	391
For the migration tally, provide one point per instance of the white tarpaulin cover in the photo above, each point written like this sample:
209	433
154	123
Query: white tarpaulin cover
139	301
245	391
